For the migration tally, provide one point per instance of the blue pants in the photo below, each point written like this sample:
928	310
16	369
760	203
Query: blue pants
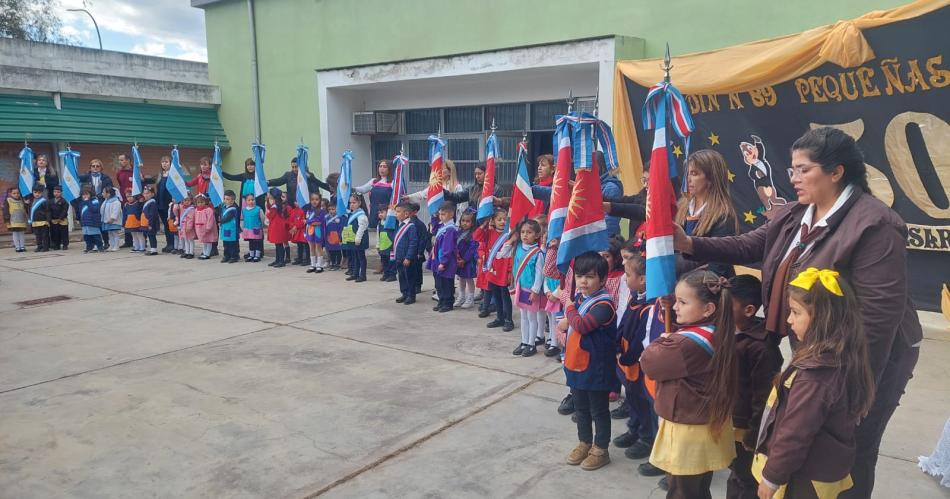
642	421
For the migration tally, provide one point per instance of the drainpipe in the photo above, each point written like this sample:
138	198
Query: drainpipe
255	91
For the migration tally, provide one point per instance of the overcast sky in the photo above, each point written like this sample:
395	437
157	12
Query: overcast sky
166	28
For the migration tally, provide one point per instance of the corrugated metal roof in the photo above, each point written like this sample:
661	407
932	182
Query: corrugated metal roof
106	122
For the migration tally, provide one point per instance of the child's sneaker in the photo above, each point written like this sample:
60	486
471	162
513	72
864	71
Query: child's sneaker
459	301
596	459
579	454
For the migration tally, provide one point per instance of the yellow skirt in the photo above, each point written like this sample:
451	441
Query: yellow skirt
823	490
686	449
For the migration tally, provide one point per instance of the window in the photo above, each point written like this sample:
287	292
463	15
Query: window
385	149
506	116
422	121
543	113
463	119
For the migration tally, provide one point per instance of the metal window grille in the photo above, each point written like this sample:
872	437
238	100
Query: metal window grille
422	121
507	116
463	119
543	113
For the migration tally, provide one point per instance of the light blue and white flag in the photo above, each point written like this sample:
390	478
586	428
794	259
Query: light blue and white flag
26	171
70	184
216	188
136	171
260	179
303	190
345	185
175	182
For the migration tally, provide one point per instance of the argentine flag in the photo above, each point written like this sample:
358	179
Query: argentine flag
486	206
260	180
70	184
26	171
216	189
345	185
303	190
136	171
175	182
399	190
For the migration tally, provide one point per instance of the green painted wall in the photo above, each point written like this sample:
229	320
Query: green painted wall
297	37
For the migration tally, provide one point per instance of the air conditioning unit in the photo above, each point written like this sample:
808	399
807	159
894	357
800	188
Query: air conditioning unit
373	123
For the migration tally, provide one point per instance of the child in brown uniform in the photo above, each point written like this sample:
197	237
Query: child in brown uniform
806	443
759	360
695	373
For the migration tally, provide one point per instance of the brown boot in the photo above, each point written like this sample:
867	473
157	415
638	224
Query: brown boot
579	454
597	458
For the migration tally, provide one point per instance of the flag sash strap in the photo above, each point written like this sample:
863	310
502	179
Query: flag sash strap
597	130
36	204
495	248
399	235
524	262
26	171
136	171
598	297
702	336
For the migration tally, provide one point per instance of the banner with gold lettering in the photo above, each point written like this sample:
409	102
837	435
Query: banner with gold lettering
889	90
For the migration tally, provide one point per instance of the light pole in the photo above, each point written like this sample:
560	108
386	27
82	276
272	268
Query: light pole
94	23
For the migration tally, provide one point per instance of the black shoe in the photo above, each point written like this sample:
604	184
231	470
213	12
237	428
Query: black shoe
391	278
233	259
552	351
214	252
401	299
225	260
150	253
621	412
538	342
204	257
639	450
518	351
664	483
271	264
311	270
360	279
529	351
409	301
447	308
436	308
248	257
508	326
567	405
625	440
647	469
166	249
495	323
295	262
190	256
279	265
256	259
483	313
351	278
54	248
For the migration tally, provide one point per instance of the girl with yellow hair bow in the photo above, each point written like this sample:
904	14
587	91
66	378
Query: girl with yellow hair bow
806	443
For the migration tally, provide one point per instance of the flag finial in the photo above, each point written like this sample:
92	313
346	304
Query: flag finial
493	127
402	149
667	64
570	101
597	102
524	136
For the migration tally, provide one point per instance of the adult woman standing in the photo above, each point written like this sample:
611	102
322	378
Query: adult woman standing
380	189
836	224
448	179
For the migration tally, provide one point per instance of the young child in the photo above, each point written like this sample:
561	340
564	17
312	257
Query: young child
759	360
632	334
40	218
467	260
187	227
356	238
485	235
334	239
206	225
806	444
314	220
173	220
444	261
695	373
59	220
91	221
132	214
424	246
297	224
252	228
589	360
277	227
405	251
528	278
201	182
229	228
384	246
499	276
110	213
15	217
150	221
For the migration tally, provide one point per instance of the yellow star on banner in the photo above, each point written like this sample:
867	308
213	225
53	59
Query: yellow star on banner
732	176
749	217
577	201
713	139
677	151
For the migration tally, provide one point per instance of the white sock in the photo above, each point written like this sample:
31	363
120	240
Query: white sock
320	262
313	261
539	323
527	331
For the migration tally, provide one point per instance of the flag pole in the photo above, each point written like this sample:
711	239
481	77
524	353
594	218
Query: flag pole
667	66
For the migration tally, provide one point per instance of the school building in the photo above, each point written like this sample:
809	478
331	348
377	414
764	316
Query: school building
374	76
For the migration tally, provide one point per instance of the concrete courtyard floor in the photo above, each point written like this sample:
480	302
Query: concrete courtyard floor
162	377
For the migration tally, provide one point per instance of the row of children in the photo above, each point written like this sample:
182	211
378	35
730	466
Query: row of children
47	219
708	392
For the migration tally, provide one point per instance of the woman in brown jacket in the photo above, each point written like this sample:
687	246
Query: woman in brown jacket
836	224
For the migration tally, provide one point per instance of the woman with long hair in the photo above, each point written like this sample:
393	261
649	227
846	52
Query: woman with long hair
379	188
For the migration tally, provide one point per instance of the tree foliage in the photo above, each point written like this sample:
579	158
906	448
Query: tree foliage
34	20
